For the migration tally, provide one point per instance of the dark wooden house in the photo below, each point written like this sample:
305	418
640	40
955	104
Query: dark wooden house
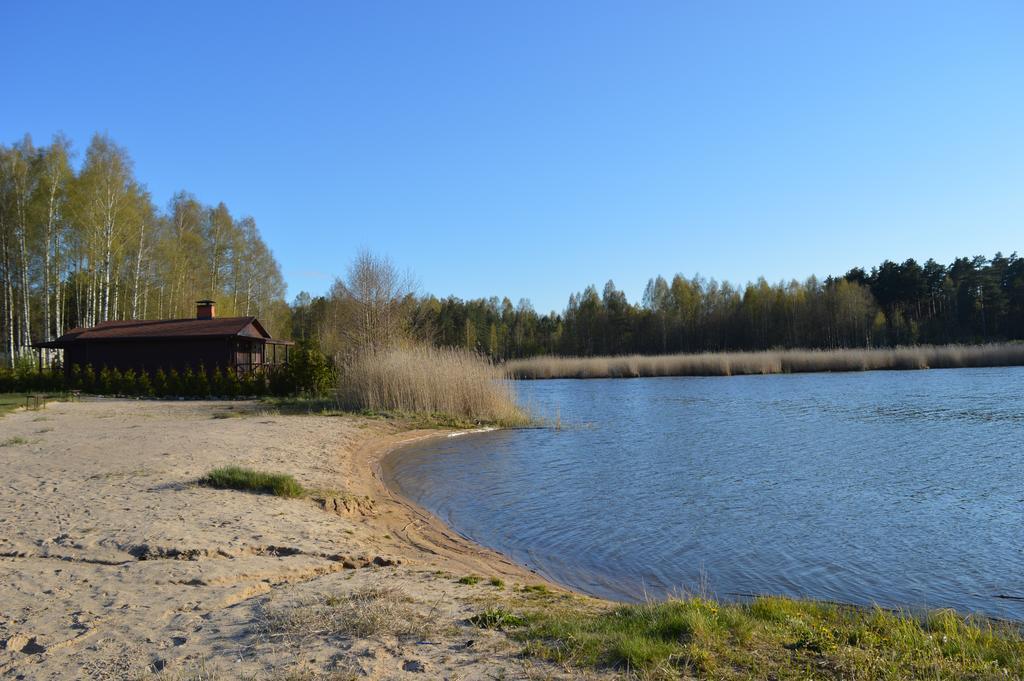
240	344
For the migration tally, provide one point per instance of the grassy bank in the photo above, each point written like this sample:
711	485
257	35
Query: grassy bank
430	381
769	637
11	401
769	362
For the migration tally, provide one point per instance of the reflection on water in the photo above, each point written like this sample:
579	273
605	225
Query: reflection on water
901	488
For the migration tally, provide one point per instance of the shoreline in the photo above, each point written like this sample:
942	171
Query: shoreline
150	575
438	527
148	572
421	531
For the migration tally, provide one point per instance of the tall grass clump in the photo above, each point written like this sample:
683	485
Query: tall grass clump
421	379
770	362
248	480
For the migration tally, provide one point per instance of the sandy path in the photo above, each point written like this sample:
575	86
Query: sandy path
114	564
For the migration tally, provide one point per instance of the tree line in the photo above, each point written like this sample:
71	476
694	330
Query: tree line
79	246
971	300
82	246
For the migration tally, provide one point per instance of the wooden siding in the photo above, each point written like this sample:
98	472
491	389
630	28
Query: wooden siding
151	355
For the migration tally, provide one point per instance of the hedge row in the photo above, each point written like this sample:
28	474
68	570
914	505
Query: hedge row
28	381
308	373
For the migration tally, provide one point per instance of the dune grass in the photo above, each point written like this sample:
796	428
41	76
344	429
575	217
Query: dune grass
362	613
423	380
769	637
769	362
248	480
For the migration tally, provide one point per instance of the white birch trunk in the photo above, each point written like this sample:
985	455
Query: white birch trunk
138	271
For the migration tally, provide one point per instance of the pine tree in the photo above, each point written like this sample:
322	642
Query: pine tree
188	383
201	384
105	382
143	386
75	378
217	383
160	383
232	385
129	383
89	380
174	387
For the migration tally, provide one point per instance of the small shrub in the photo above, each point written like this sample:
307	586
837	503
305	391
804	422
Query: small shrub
160	383
217	388
469	579
129	383
232	386
105	382
281	382
308	372
173	387
188	383
251	384
246	479
258	386
89	382
116	382
201	383
143	386
75	377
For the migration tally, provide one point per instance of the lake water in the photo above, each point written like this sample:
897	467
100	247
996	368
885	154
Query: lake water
896	488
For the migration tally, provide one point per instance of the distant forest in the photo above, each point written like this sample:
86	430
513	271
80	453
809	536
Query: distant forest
83	245
971	300
79	247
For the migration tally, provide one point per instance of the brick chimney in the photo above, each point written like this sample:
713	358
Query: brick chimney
206	309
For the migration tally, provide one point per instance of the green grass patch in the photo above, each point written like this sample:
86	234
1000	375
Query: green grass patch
10	442
301	406
497	618
11	401
497	582
769	637
469	579
248	480
535	589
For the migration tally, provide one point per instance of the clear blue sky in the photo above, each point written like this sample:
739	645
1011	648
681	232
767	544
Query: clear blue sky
530	148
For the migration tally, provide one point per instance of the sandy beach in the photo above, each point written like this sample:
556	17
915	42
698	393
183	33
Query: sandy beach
115	563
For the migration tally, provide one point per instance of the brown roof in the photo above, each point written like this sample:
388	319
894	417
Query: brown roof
163	329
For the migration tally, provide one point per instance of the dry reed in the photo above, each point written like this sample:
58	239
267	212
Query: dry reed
429	380
769	362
